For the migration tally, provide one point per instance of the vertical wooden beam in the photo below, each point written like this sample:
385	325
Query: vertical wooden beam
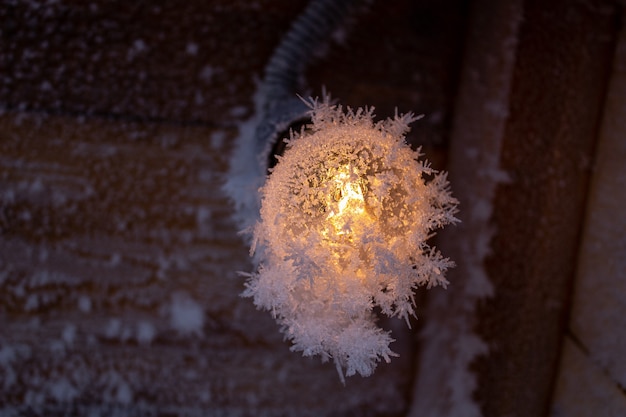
559	82
532	89
593	359
444	384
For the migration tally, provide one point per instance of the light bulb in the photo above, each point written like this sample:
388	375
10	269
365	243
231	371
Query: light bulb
345	218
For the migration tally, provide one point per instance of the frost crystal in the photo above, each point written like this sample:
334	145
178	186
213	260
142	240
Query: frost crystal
345	218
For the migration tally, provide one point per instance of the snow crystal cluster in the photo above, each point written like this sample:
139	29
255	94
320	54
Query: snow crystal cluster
345	218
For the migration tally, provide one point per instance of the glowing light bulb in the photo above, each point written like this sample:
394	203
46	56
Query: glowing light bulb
346	203
350	195
345	217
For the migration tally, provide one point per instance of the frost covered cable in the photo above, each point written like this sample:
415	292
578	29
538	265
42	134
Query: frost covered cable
310	31
276	104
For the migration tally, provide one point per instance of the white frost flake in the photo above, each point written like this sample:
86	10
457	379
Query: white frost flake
192	48
84	304
69	334
186	315
145	332
62	390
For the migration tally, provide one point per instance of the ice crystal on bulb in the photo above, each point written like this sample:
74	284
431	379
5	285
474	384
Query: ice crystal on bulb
345	218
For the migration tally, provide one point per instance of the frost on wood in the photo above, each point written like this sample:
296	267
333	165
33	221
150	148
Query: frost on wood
345	219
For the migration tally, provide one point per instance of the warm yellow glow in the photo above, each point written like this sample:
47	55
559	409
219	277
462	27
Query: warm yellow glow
350	194
347	204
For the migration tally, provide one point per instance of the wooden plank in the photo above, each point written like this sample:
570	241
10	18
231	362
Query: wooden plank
445	384
526	122
563	57
118	257
118	285
598	317
188	61
583	388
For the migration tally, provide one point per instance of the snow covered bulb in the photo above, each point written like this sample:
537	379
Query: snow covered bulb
345	218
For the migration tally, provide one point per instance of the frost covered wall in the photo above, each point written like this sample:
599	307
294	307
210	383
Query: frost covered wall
118	256
118	292
526	119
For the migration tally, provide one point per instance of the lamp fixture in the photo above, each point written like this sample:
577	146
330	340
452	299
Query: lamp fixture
344	224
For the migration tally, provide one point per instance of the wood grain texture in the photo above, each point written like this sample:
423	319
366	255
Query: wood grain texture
598	316
559	82
144	60
595	354
103	236
444	383
583	388
117	123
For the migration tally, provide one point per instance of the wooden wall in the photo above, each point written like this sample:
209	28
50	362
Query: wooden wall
523	149
118	256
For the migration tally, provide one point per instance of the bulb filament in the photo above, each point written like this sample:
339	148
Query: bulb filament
347	202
